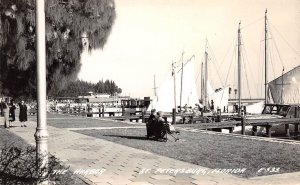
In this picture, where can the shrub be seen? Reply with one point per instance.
(21, 166)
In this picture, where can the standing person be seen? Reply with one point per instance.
(212, 106)
(201, 106)
(23, 114)
(12, 109)
(5, 111)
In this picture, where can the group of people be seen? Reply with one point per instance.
(8, 112)
(157, 127)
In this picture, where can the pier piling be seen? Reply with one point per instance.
(173, 116)
(268, 130)
(287, 130)
(297, 130)
(103, 111)
(243, 125)
(143, 116)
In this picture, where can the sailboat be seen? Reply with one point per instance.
(219, 97)
(177, 89)
(282, 95)
(286, 88)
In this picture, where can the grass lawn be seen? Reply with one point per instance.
(9, 139)
(65, 121)
(211, 151)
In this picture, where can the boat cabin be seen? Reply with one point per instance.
(284, 110)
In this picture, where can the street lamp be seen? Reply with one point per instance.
(41, 134)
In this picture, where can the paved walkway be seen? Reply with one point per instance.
(103, 162)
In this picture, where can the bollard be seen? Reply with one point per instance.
(243, 125)
(143, 116)
(297, 130)
(287, 130)
(123, 111)
(254, 130)
(268, 130)
(297, 112)
(173, 116)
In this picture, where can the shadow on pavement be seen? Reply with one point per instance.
(129, 137)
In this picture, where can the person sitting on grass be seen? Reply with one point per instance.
(159, 127)
(150, 123)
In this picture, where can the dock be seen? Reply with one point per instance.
(207, 122)
(267, 123)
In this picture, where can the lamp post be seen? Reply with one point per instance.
(41, 134)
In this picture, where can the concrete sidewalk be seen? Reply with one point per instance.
(103, 162)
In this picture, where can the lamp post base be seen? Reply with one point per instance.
(41, 137)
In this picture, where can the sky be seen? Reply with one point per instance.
(149, 34)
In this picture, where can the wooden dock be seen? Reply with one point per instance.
(207, 122)
(267, 123)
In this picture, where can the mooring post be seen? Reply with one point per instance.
(123, 110)
(297, 112)
(287, 130)
(297, 130)
(143, 116)
(297, 115)
(268, 130)
(103, 111)
(243, 125)
(173, 116)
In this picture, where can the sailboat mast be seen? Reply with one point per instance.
(266, 60)
(282, 85)
(181, 79)
(239, 69)
(155, 92)
(174, 77)
(205, 80)
(202, 83)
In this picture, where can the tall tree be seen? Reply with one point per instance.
(71, 26)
